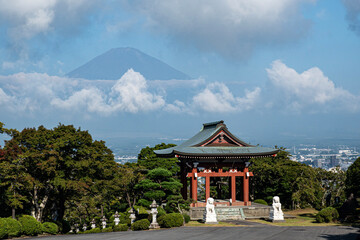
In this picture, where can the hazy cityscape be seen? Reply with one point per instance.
(315, 155)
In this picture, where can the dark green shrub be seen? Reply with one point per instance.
(4, 229)
(142, 224)
(143, 216)
(50, 227)
(161, 212)
(186, 217)
(327, 215)
(30, 226)
(171, 220)
(64, 226)
(14, 227)
(260, 201)
(108, 229)
(95, 230)
(120, 227)
(144, 203)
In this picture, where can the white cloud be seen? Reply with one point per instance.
(131, 95)
(216, 97)
(177, 107)
(35, 92)
(309, 89)
(232, 28)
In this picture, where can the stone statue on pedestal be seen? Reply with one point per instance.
(209, 213)
(276, 214)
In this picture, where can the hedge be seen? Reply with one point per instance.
(108, 229)
(14, 227)
(186, 217)
(95, 230)
(327, 215)
(261, 201)
(161, 212)
(4, 230)
(120, 227)
(50, 227)
(30, 226)
(171, 220)
(142, 224)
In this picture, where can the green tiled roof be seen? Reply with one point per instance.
(192, 147)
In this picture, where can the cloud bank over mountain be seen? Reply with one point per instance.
(36, 93)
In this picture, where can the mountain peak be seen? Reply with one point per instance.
(112, 64)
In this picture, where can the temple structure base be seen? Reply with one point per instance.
(221, 203)
(226, 213)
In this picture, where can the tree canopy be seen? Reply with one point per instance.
(148, 159)
(353, 179)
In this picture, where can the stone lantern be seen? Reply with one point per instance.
(132, 215)
(93, 224)
(103, 222)
(116, 216)
(84, 227)
(76, 227)
(154, 211)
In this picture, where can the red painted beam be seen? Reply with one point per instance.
(217, 174)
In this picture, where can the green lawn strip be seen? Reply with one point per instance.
(298, 221)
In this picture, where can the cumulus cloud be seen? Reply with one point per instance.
(353, 14)
(35, 92)
(216, 97)
(232, 28)
(129, 94)
(309, 89)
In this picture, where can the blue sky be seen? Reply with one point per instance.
(281, 69)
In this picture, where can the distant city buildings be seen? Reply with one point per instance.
(326, 158)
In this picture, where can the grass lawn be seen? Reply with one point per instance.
(304, 217)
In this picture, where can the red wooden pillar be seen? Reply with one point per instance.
(233, 189)
(207, 187)
(194, 184)
(246, 186)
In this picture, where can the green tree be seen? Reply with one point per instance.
(148, 159)
(353, 179)
(158, 185)
(63, 164)
(298, 185)
(13, 177)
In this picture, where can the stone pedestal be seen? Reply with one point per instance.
(209, 213)
(276, 214)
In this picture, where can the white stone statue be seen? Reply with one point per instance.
(276, 214)
(209, 213)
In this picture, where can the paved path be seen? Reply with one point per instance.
(224, 233)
